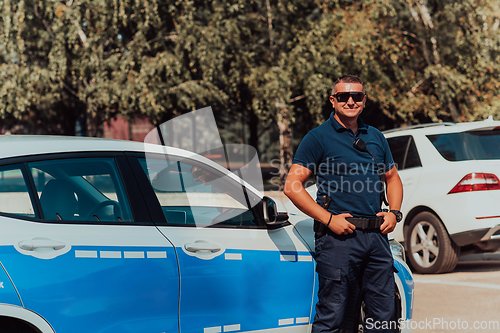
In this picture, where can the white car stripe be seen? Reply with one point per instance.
(302, 320)
(233, 256)
(157, 254)
(85, 254)
(216, 329)
(133, 254)
(232, 328)
(110, 254)
(288, 321)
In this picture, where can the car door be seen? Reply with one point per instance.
(81, 251)
(236, 274)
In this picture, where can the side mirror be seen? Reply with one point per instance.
(269, 210)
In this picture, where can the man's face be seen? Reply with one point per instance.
(348, 109)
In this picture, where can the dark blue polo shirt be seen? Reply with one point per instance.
(348, 176)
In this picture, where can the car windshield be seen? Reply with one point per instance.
(472, 145)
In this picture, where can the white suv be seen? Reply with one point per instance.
(450, 174)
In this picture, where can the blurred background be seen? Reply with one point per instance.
(119, 68)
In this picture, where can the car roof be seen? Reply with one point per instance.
(25, 145)
(435, 128)
(30, 145)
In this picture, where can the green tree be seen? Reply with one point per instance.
(61, 61)
(421, 60)
(262, 61)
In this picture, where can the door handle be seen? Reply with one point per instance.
(41, 243)
(202, 246)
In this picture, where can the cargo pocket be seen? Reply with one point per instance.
(330, 283)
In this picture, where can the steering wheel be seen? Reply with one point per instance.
(103, 204)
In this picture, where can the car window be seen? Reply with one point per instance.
(81, 189)
(472, 145)
(398, 146)
(404, 152)
(451, 146)
(412, 158)
(14, 194)
(194, 194)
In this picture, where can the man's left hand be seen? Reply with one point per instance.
(389, 222)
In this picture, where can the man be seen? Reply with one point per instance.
(202, 175)
(351, 230)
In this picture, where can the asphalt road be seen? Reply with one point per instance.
(465, 300)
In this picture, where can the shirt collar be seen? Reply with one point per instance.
(338, 127)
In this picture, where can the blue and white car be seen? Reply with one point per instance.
(116, 236)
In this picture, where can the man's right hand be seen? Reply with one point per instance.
(340, 225)
(295, 191)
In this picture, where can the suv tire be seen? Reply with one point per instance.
(429, 248)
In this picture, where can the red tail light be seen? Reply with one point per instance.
(477, 182)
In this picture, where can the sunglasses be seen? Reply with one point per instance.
(344, 96)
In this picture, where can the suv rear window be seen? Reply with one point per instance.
(472, 145)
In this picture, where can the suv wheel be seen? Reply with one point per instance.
(429, 248)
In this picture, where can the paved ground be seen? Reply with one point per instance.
(465, 300)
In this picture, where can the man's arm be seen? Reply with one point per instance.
(295, 191)
(395, 198)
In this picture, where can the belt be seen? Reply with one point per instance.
(361, 223)
(366, 222)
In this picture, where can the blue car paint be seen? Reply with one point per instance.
(229, 295)
(8, 294)
(77, 294)
(408, 285)
(260, 291)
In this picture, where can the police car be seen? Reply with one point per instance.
(116, 236)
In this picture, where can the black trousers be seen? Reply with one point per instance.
(342, 260)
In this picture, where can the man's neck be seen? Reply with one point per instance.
(351, 123)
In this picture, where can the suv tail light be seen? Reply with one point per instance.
(477, 182)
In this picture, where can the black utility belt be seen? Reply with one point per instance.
(361, 223)
(366, 223)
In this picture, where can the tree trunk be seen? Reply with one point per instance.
(94, 124)
(454, 112)
(253, 124)
(285, 139)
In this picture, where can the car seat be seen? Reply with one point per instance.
(58, 200)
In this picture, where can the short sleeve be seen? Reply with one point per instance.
(309, 153)
(388, 159)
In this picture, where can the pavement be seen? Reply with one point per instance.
(465, 300)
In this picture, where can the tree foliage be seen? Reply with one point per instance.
(421, 60)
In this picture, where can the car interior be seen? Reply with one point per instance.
(80, 190)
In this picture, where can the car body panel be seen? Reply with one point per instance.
(404, 281)
(8, 293)
(144, 276)
(219, 289)
(85, 287)
(25, 315)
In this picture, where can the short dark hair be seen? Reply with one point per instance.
(348, 79)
